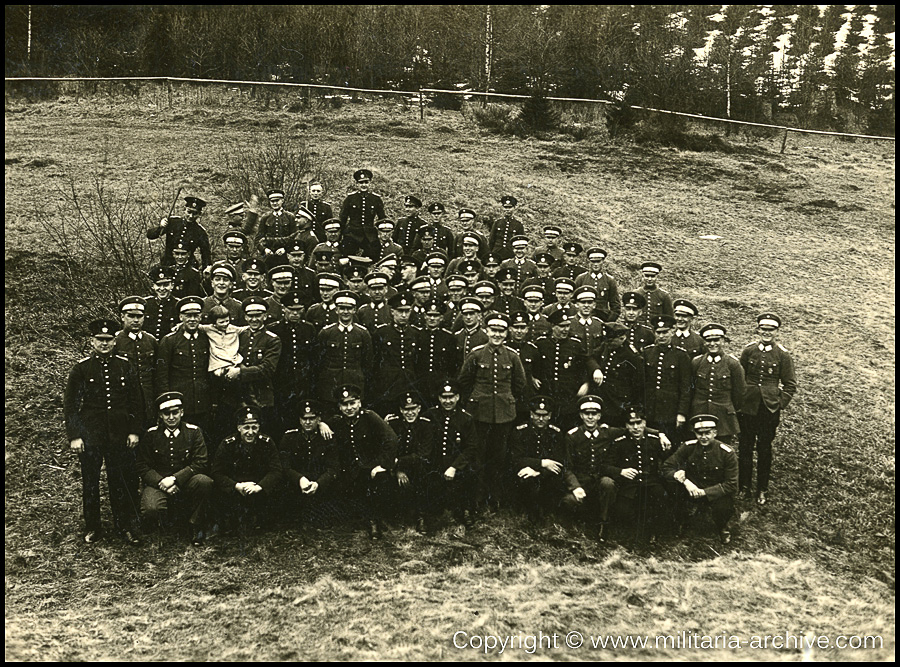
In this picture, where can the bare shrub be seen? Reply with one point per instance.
(102, 252)
(496, 118)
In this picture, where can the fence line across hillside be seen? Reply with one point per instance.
(420, 95)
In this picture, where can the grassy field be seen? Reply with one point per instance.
(808, 234)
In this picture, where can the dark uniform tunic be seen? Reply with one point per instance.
(508, 304)
(717, 385)
(467, 340)
(639, 500)
(364, 443)
(692, 343)
(160, 317)
(770, 385)
(140, 349)
(344, 357)
(406, 231)
(547, 283)
(321, 315)
(308, 454)
(182, 362)
(261, 351)
(188, 282)
(528, 447)
(640, 336)
(276, 230)
(522, 270)
(439, 360)
(501, 235)
(181, 454)
(321, 211)
(294, 372)
(587, 450)
(236, 461)
(415, 440)
(590, 331)
(373, 315)
(608, 306)
(714, 469)
(659, 302)
(455, 445)
(538, 326)
(667, 386)
(102, 405)
(561, 367)
(563, 270)
(623, 380)
(191, 234)
(359, 212)
(304, 281)
(396, 354)
(232, 304)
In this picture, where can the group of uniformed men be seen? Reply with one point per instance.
(489, 377)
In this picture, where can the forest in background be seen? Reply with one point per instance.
(819, 66)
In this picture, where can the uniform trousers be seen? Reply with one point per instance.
(684, 507)
(756, 431)
(600, 495)
(195, 495)
(121, 478)
(493, 461)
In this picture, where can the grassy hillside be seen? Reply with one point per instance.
(808, 234)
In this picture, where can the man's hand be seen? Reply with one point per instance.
(233, 373)
(450, 473)
(629, 473)
(598, 377)
(253, 488)
(304, 483)
(242, 488)
(311, 489)
(163, 222)
(133, 440)
(553, 466)
(679, 476)
(693, 489)
(583, 389)
(376, 470)
(664, 441)
(325, 431)
(528, 472)
(680, 420)
(280, 251)
(536, 383)
(166, 483)
(402, 478)
(579, 494)
(76, 445)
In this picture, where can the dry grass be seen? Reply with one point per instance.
(828, 270)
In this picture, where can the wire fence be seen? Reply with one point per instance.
(168, 92)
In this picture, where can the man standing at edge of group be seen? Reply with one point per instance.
(187, 231)
(359, 212)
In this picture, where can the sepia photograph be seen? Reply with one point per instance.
(450, 333)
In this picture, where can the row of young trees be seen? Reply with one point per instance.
(741, 61)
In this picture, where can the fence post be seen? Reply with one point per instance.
(169, 89)
(784, 142)
(421, 105)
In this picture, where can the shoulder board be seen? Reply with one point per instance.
(689, 442)
(152, 428)
(232, 438)
(604, 426)
(573, 431)
(466, 413)
(424, 419)
(201, 227)
(725, 447)
(553, 427)
(621, 437)
(119, 356)
(191, 426)
(81, 361)
(391, 417)
(781, 347)
(273, 335)
(329, 326)
(263, 436)
(652, 435)
(291, 430)
(578, 338)
(521, 427)
(733, 357)
(475, 349)
(752, 343)
(357, 325)
(447, 330)
(381, 326)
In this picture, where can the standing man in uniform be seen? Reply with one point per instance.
(188, 280)
(717, 383)
(161, 310)
(294, 373)
(639, 335)
(521, 268)
(560, 367)
(607, 307)
(396, 355)
(667, 381)
(359, 212)
(771, 384)
(659, 301)
(502, 230)
(443, 237)
(182, 362)
(491, 378)
(102, 405)
(586, 327)
(683, 338)
(188, 231)
(277, 229)
(407, 229)
(139, 347)
(704, 473)
(466, 218)
(320, 209)
(345, 353)
(622, 374)
(568, 267)
(439, 357)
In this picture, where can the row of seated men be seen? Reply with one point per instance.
(419, 463)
